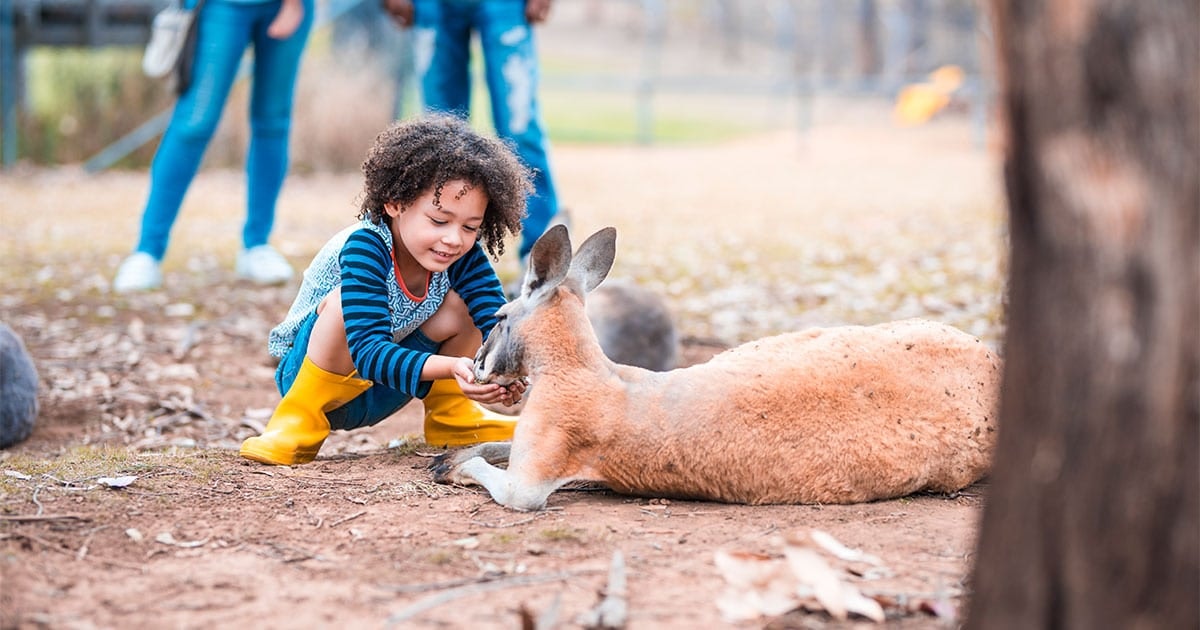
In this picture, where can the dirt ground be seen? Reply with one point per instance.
(846, 223)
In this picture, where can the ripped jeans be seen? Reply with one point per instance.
(443, 59)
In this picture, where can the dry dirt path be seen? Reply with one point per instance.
(857, 224)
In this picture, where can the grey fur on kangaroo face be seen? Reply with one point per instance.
(825, 415)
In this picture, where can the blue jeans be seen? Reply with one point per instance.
(226, 28)
(370, 407)
(443, 51)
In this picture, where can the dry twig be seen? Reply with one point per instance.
(485, 585)
(613, 609)
(510, 523)
(30, 518)
(347, 518)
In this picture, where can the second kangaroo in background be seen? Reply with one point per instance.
(832, 415)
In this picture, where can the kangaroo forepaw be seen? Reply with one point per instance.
(439, 460)
(445, 467)
(441, 470)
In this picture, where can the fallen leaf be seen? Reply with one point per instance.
(940, 608)
(814, 573)
(167, 539)
(840, 551)
(116, 482)
(756, 585)
(761, 585)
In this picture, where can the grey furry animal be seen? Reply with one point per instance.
(633, 325)
(18, 389)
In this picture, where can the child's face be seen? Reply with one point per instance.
(436, 230)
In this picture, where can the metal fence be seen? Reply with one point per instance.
(789, 50)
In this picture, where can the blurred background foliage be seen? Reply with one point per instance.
(614, 72)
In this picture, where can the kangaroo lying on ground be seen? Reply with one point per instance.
(834, 415)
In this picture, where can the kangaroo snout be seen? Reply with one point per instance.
(484, 374)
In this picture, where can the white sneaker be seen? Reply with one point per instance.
(138, 272)
(263, 265)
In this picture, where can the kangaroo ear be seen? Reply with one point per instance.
(594, 259)
(549, 261)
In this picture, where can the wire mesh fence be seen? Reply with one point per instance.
(619, 71)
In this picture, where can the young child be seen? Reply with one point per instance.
(391, 308)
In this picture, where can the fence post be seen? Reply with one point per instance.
(648, 75)
(8, 82)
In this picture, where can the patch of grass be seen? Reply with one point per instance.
(79, 463)
(205, 466)
(425, 489)
(613, 118)
(441, 557)
(409, 445)
(84, 463)
(578, 116)
(563, 534)
(505, 539)
(80, 100)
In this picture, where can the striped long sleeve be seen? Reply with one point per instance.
(474, 279)
(365, 262)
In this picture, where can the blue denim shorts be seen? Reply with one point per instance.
(370, 407)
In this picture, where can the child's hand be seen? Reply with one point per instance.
(487, 393)
(536, 11)
(401, 11)
(516, 389)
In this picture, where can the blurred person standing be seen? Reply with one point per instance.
(225, 28)
(442, 50)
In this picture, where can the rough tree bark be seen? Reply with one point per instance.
(1093, 514)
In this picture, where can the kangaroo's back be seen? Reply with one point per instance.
(830, 415)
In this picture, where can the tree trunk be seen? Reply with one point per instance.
(1093, 514)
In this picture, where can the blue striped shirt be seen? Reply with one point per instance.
(376, 310)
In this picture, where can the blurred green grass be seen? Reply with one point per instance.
(81, 100)
(579, 116)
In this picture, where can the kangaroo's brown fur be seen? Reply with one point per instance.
(833, 415)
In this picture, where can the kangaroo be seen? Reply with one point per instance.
(826, 415)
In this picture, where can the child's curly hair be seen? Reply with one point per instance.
(414, 156)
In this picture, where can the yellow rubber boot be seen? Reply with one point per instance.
(452, 419)
(299, 427)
